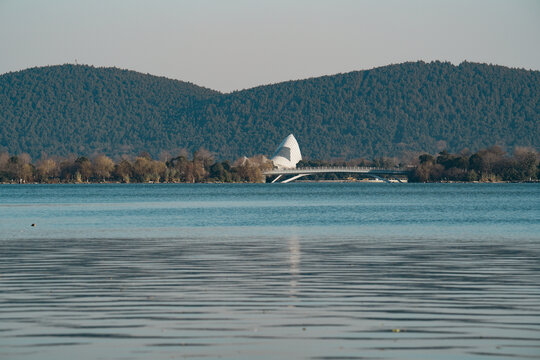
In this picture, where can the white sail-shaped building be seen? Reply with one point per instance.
(287, 154)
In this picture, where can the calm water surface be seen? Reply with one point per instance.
(270, 271)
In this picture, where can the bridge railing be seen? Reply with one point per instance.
(307, 168)
(342, 169)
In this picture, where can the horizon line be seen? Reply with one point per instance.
(77, 63)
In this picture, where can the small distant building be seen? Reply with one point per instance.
(287, 154)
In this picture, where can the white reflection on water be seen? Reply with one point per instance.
(294, 263)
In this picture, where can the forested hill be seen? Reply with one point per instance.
(83, 109)
(380, 112)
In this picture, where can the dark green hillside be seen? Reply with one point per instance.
(384, 111)
(380, 112)
(82, 109)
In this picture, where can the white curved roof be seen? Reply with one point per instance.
(287, 154)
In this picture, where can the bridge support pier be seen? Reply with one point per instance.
(293, 178)
(277, 178)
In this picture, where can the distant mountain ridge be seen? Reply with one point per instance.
(416, 106)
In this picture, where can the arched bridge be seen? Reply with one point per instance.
(378, 173)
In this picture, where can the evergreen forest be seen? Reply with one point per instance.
(408, 108)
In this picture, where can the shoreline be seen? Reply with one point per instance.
(298, 181)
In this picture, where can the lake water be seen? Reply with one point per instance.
(270, 271)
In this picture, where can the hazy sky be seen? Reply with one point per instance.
(229, 45)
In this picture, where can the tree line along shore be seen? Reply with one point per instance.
(487, 165)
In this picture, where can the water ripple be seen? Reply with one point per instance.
(314, 297)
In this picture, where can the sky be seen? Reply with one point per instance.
(231, 45)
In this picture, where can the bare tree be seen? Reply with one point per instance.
(47, 169)
(102, 166)
(124, 170)
(251, 169)
(164, 156)
(527, 160)
(4, 158)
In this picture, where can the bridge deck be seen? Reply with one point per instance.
(336, 169)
